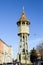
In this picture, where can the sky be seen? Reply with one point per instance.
(10, 12)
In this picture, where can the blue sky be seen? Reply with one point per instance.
(10, 12)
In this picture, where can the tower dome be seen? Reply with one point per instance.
(23, 18)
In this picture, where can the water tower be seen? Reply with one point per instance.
(23, 33)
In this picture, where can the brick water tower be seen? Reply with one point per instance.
(23, 33)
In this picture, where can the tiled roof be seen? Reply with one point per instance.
(23, 18)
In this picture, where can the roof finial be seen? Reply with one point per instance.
(23, 10)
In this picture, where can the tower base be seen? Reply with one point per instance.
(22, 59)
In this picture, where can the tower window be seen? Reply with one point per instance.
(23, 22)
(26, 23)
(19, 23)
(27, 52)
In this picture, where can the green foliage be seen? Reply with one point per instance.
(33, 55)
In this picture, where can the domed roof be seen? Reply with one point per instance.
(23, 18)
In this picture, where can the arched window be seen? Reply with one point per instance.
(23, 22)
(19, 23)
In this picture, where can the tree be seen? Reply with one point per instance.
(40, 48)
(33, 56)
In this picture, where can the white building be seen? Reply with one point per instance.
(6, 52)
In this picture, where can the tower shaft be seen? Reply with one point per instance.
(23, 43)
(23, 47)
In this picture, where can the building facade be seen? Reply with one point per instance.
(6, 52)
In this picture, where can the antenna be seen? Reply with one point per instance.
(23, 9)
